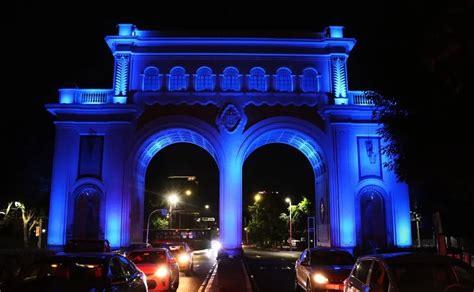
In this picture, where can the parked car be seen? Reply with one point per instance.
(159, 266)
(80, 272)
(398, 272)
(322, 269)
(183, 254)
(87, 245)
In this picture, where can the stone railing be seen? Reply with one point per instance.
(85, 96)
(359, 98)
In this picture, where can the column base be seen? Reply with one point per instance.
(230, 253)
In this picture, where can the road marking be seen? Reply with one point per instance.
(209, 279)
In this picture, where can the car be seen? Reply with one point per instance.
(409, 271)
(134, 246)
(323, 269)
(159, 266)
(80, 272)
(183, 254)
(87, 245)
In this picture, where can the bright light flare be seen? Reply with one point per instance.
(320, 278)
(161, 272)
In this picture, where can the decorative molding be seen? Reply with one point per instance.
(122, 62)
(339, 79)
(230, 118)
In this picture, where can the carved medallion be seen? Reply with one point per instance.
(229, 118)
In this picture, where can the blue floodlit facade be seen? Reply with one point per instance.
(229, 96)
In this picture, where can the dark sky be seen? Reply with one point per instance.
(61, 44)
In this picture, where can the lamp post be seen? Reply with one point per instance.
(291, 231)
(172, 199)
(148, 223)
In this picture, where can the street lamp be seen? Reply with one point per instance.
(207, 206)
(148, 224)
(291, 231)
(188, 192)
(173, 200)
(257, 197)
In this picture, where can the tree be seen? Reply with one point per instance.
(299, 213)
(17, 210)
(427, 121)
(160, 223)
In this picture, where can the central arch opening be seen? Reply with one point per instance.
(271, 174)
(182, 196)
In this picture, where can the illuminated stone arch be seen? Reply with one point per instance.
(88, 208)
(373, 210)
(312, 143)
(155, 137)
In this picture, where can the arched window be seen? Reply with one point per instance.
(151, 79)
(177, 79)
(257, 79)
(87, 212)
(230, 79)
(284, 80)
(373, 225)
(309, 80)
(204, 79)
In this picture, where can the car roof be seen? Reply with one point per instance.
(83, 255)
(327, 249)
(149, 249)
(409, 257)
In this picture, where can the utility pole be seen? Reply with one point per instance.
(40, 232)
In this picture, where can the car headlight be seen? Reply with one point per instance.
(320, 278)
(215, 245)
(161, 272)
(184, 258)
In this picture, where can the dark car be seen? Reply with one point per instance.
(183, 254)
(323, 269)
(80, 272)
(159, 266)
(399, 272)
(87, 245)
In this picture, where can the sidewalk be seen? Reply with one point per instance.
(229, 275)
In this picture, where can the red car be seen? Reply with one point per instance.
(159, 266)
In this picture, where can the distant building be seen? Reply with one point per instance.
(229, 96)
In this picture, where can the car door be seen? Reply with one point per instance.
(358, 278)
(378, 279)
(116, 275)
(300, 275)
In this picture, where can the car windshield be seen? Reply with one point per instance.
(148, 257)
(329, 258)
(423, 276)
(175, 248)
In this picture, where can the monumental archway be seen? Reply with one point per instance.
(228, 96)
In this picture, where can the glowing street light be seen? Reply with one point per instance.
(257, 197)
(173, 199)
(288, 200)
(207, 206)
(188, 192)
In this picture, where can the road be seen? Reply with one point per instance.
(272, 270)
(203, 262)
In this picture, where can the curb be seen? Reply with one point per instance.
(208, 277)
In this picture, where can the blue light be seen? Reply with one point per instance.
(113, 227)
(347, 231)
(56, 219)
(336, 31)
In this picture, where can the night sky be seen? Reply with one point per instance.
(62, 45)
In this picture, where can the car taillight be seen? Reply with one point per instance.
(161, 272)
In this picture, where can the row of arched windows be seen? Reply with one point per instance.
(231, 80)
